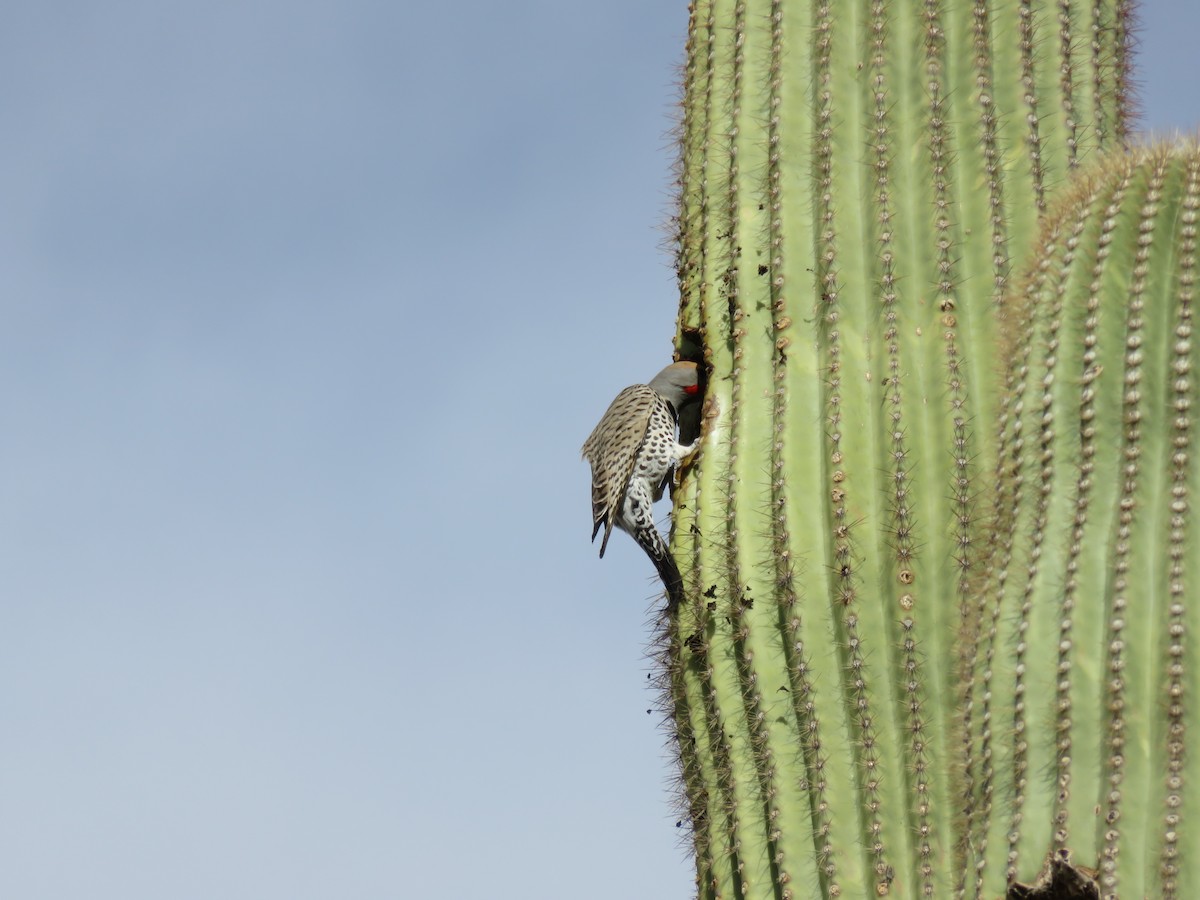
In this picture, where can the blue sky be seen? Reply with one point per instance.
(308, 309)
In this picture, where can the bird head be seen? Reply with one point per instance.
(678, 383)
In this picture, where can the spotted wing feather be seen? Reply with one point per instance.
(612, 450)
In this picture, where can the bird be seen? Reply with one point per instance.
(633, 452)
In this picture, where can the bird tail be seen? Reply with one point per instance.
(656, 548)
(608, 527)
(668, 571)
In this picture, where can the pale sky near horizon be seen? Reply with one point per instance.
(291, 290)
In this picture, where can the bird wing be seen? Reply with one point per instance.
(612, 449)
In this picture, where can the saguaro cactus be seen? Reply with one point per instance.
(1089, 606)
(857, 181)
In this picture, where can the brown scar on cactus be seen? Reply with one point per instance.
(1059, 880)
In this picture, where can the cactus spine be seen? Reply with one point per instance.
(857, 181)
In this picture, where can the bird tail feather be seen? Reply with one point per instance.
(656, 548)
(607, 534)
(668, 571)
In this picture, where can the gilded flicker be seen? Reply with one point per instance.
(633, 452)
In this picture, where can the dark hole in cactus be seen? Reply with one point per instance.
(691, 348)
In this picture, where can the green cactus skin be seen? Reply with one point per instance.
(1091, 610)
(857, 181)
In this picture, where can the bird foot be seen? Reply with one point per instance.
(684, 452)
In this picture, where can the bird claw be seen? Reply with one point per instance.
(685, 452)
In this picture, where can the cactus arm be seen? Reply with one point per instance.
(1182, 683)
(1100, 472)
